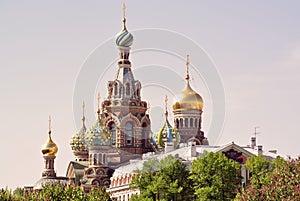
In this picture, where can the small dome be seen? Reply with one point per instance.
(98, 136)
(188, 100)
(124, 38)
(78, 140)
(50, 148)
(167, 134)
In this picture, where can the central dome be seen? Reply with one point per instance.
(188, 100)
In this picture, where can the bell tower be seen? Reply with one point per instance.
(124, 111)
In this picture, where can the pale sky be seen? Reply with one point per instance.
(255, 46)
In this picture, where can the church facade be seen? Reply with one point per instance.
(120, 139)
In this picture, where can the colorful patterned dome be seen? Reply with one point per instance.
(124, 38)
(167, 133)
(78, 140)
(98, 135)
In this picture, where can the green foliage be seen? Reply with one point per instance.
(55, 192)
(259, 167)
(6, 195)
(215, 177)
(167, 179)
(283, 184)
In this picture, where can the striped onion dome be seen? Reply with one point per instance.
(124, 38)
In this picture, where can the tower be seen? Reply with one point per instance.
(187, 109)
(124, 111)
(78, 141)
(98, 143)
(168, 137)
(49, 151)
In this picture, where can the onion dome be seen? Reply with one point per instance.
(188, 99)
(167, 133)
(98, 135)
(78, 140)
(124, 38)
(49, 148)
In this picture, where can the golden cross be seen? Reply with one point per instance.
(187, 67)
(124, 10)
(98, 100)
(49, 120)
(166, 102)
(148, 107)
(83, 108)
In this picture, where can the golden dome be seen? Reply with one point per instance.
(188, 100)
(49, 148)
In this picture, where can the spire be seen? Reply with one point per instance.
(187, 67)
(124, 16)
(49, 126)
(166, 106)
(148, 107)
(83, 110)
(98, 105)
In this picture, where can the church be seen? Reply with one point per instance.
(107, 153)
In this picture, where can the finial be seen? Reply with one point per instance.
(83, 110)
(187, 67)
(49, 121)
(98, 105)
(166, 105)
(124, 15)
(148, 107)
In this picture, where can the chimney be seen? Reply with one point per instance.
(169, 146)
(253, 142)
(259, 149)
(192, 150)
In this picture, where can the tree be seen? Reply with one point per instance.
(283, 184)
(215, 177)
(167, 179)
(259, 168)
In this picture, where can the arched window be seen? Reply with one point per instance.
(196, 122)
(112, 128)
(191, 122)
(129, 132)
(144, 134)
(127, 89)
(177, 123)
(181, 123)
(186, 122)
(116, 89)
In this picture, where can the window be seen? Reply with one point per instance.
(196, 122)
(127, 89)
(186, 122)
(113, 133)
(116, 89)
(181, 123)
(191, 122)
(129, 132)
(144, 134)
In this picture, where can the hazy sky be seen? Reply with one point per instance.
(43, 44)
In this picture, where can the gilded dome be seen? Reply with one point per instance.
(50, 148)
(188, 100)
